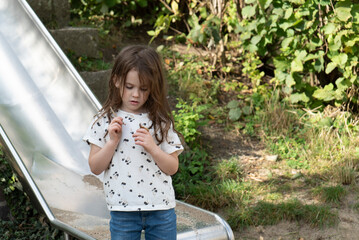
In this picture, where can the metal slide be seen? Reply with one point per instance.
(45, 108)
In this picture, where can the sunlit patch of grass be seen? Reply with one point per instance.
(229, 169)
(264, 213)
(227, 193)
(237, 192)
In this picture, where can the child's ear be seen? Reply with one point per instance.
(116, 81)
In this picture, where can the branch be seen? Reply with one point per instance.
(166, 5)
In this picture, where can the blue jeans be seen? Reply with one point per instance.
(158, 225)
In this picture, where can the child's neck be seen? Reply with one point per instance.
(136, 112)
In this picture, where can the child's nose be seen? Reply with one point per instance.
(136, 92)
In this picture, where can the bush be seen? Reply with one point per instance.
(28, 223)
(311, 44)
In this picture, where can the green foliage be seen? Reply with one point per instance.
(193, 170)
(207, 24)
(291, 150)
(85, 63)
(126, 13)
(237, 109)
(251, 63)
(193, 162)
(28, 223)
(312, 45)
(187, 119)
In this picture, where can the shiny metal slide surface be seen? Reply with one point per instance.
(45, 108)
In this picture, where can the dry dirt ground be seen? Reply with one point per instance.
(256, 166)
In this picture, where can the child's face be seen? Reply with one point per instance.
(134, 94)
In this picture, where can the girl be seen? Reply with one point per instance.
(137, 147)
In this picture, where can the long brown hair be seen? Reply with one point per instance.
(147, 62)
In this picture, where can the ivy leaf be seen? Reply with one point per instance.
(330, 67)
(252, 48)
(314, 43)
(296, 65)
(355, 13)
(334, 43)
(301, 54)
(298, 97)
(343, 10)
(352, 41)
(326, 94)
(235, 114)
(280, 75)
(324, 2)
(233, 104)
(246, 35)
(278, 12)
(248, 11)
(265, 3)
(286, 42)
(297, 2)
(281, 63)
(256, 39)
(288, 13)
(340, 59)
(289, 81)
(285, 25)
(329, 28)
(174, 6)
(343, 84)
(318, 65)
(247, 110)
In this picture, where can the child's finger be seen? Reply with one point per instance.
(142, 131)
(115, 127)
(119, 120)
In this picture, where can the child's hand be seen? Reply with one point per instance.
(143, 138)
(115, 129)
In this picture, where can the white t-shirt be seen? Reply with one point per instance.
(133, 181)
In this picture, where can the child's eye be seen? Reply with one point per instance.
(129, 87)
(144, 89)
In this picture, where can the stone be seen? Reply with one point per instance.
(52, 12)
(81, 41)
(271, 158)
(98, 83)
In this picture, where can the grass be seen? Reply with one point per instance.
(331, 194)
(229, 169)
(265, 213)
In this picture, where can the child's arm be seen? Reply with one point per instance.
(100, 158)
(168, 163)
